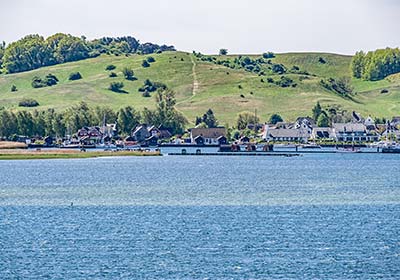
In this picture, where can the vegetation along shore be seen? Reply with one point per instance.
(68, 154)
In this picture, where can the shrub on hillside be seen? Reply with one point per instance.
(150, 59)
(49, 80)
(150, 86)
(28, 102)
(110, 67)
(116, 87)
(129, 74)
(146, 94)
(113, 75)
(145, 64)
(75, 76)
(268, 55)
(14, 88)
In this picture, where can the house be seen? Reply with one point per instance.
(152, 140)
(110, 129)
(140, 133)
(322, 133)
(305, 123)
(286, 134)
(161, 132)
(369, 123)
(353, 132)
(90, 134)
(209, 136)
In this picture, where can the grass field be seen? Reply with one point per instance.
(217, 87)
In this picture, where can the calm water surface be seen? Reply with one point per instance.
(333, 216)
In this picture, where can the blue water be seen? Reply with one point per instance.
(333, 216)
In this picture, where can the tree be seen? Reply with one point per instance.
(8, 123)
(14, 88)
(165, 113)
(223, 52)
(246, 118)
(323, 120)
(128, 118)
(316, 111)
(2, 49)
(116, 87)
(209, 119)
(71, 48)
(275, 118)
(357, 64)
(28, 53)
(128, 74)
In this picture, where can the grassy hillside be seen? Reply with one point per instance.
(201, 85)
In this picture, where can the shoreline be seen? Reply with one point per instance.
(68, 154)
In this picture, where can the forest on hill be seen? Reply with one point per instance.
(34, 51)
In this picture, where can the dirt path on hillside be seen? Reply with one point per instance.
(195, 86)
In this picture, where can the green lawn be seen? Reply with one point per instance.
(218, 86)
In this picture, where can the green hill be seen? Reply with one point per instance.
(200, 85)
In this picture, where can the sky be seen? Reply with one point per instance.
(247, 26)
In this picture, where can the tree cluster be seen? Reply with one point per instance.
(58, 124)
(207, 120)
(341, 86)
(34, 51)
(376, 65)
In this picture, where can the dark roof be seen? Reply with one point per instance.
(208, 132)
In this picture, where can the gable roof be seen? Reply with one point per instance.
(208, 132)
(349, 127)
(288, 133)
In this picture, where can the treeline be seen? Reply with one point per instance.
(376, 65)
(59, 124)
(34, 51)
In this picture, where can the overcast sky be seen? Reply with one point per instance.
(247, 26)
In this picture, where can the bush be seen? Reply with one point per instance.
(382, 91)
(278, 68)
(28, 102)
(110, 67)
(150, 86)
(14, 88)
(145, 64)
(116, 87)
(37, 82)
(321, 60)
(268, 55)
(285, 82)
(223, 52)
(51, 80)
(150, 59)
(146, 94)
(270, 80)
(75, 76)
(129, 74)
(113, 75)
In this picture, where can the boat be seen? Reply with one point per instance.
(391, 148)
(310, 146)
(348, 150)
